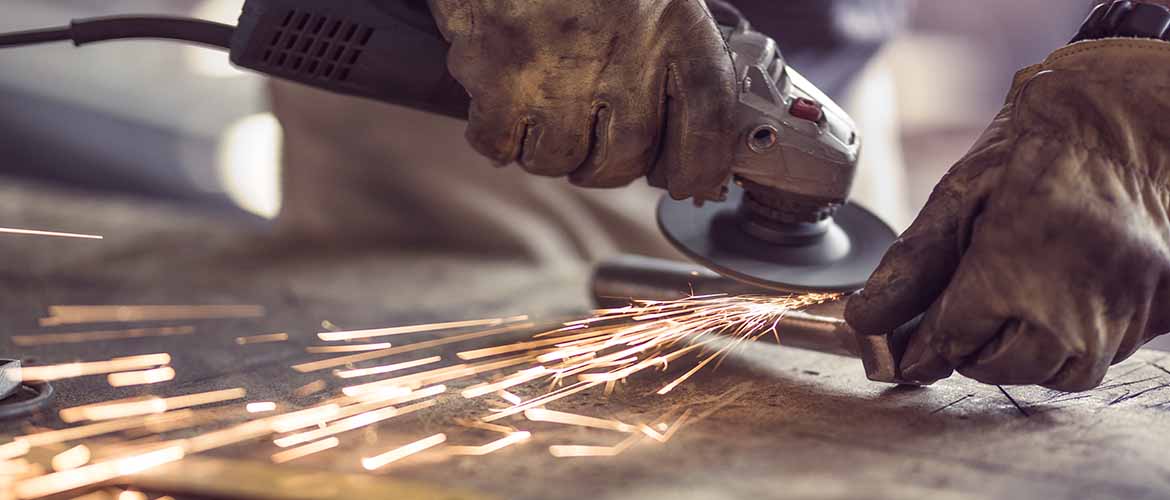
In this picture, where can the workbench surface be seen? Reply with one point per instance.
(771, 423)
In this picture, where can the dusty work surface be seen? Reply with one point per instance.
(773, 423)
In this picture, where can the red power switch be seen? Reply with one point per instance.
(807, 109)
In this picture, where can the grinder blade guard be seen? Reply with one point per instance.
(786, 225)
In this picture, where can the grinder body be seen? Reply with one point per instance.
(386, 50)
(794, 163)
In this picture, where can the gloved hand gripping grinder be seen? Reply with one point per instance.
(785, 226)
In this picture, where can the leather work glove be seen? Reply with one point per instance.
(1043, 257)
(603, 91)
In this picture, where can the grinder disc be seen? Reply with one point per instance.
(839, 262)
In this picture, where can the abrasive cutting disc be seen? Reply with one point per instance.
(841, 261)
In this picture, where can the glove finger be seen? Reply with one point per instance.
(498, 131)
(558, 142)
(1019, 353)
(699, 141)
(626, 137)
(921, 363)
(915, 269)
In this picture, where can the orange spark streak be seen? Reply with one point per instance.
(68, 315)
(72, 458)
(509, 397)
(60, 482)
(475, 424)
(553, 396)
(570, 451)
(378, 370)
(132, 495)
(145, 377)
(262, 339)
(35, 232)
(86, 431)
(306, 450)
(14, 449)
(335, 349)
(436, 376)
(557, 417)
(379, 461)
(362, 415)
(417, 346)
(522, 377)
(492, 447)
(260, 407)
(522, 346)
(152, 405)
(81, 369)
(304, 418)
(403, 330)
(352, 423)
(99, 336)
(310, 388)
(670, 431)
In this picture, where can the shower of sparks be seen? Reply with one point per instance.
(262, 339)
(82, 369)
(617, 343)
(492, 447)
(403, 330)
(70, 315)
(99, 336)
(306, 450)
(145, 377)
(337, 349)
(34, 232)
(260, 407)
(379, 461)
(565, 359)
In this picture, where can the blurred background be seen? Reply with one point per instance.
(163, 120)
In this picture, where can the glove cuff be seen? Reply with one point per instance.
(1106, 55)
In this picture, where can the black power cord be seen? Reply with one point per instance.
(84, 31)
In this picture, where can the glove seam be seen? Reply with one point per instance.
(1110, 43)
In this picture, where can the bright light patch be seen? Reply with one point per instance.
(213, 62)
(249, 164)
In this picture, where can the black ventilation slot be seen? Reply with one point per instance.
(317, 46)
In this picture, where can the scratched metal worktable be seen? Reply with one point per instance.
(774, 423)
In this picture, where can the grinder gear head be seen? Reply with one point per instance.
(787, 225)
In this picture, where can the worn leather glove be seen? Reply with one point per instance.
(604, 91)
(1044, 255)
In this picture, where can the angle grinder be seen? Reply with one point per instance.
(786, 225)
